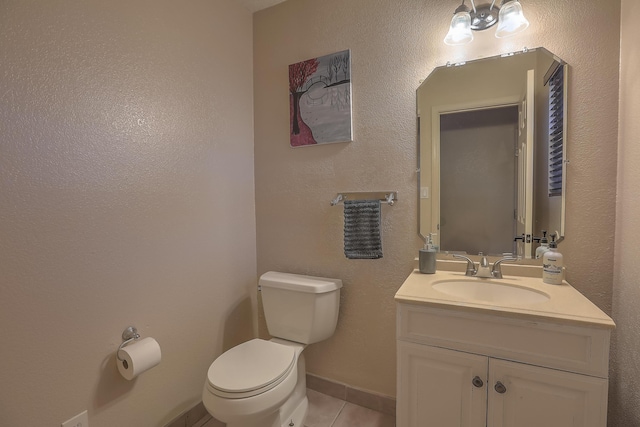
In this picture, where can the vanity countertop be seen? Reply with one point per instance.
(565, 304)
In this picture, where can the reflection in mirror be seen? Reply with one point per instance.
(479, 174)
(492, 153)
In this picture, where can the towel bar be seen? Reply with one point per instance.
(385, 196)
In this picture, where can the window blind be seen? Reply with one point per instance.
(556, 131)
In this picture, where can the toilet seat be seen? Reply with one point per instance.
(250, 368)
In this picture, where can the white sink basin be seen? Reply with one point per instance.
(474, 289)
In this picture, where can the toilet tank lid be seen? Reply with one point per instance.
(299, 282)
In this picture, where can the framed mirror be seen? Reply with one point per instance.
(492, 153)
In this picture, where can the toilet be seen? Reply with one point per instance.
(262, 383)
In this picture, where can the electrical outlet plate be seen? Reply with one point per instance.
(80, 420)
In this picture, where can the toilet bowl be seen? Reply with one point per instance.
(248, 384)
(262, 383)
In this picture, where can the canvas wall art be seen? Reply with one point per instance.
(320, 100)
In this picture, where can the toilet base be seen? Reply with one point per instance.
(272, 420)
(295, 419)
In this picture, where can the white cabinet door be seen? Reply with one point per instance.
(532, 396)
(436, 387)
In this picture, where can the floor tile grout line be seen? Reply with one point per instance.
(203, 421)
(344, 403)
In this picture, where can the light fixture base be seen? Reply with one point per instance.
(485, 16)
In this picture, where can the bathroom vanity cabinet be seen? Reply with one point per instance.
(473, 364)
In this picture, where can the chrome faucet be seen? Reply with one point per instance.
(483, 270)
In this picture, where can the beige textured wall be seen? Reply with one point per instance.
(395, 44)
(126, 197)
(625, 389)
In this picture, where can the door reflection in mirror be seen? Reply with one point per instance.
(478, 180)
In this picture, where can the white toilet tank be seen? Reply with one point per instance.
(300, 308)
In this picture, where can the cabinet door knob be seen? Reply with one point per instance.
(500, 388)
(477, 381)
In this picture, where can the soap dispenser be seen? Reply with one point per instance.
(427, 257)
(552, 263)
(544, 245)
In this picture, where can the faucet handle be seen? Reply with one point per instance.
(496, 270)
(471, 267)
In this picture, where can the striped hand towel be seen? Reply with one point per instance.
(362, 232)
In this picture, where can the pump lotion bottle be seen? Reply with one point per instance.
(427, 257)
(552, 263)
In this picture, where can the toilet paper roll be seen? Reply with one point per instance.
(138, 357)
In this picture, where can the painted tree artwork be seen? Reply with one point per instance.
(320, 100)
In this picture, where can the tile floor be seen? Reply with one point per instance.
(327, 411)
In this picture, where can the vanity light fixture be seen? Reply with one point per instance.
(509, 18)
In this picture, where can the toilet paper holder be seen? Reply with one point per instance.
(128, 335)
